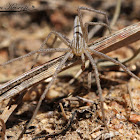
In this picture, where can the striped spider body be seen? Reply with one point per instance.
(78, 43)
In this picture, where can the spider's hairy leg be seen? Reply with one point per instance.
(34, 52)
(94, 23)
(87, 40)
(114, 61)
(98, 84)
(63, 38)
(19, 58)
(67, 55)
(57, 35)
(91, 10)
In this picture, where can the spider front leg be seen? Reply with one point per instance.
(114, 61)
(41, 50)
(63, 38)
(91, 10)
(94, 23)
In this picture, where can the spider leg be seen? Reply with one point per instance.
(46, 90)
(19, 58)
(114, 61)
(87, 40)
(98, 84)
(117, 63)
(94, 23)
(34, 52)
(84, 30)
(57, 35)
(63, 38)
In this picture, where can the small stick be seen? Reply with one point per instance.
(63, 111)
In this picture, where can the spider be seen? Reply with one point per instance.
(79, 48)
